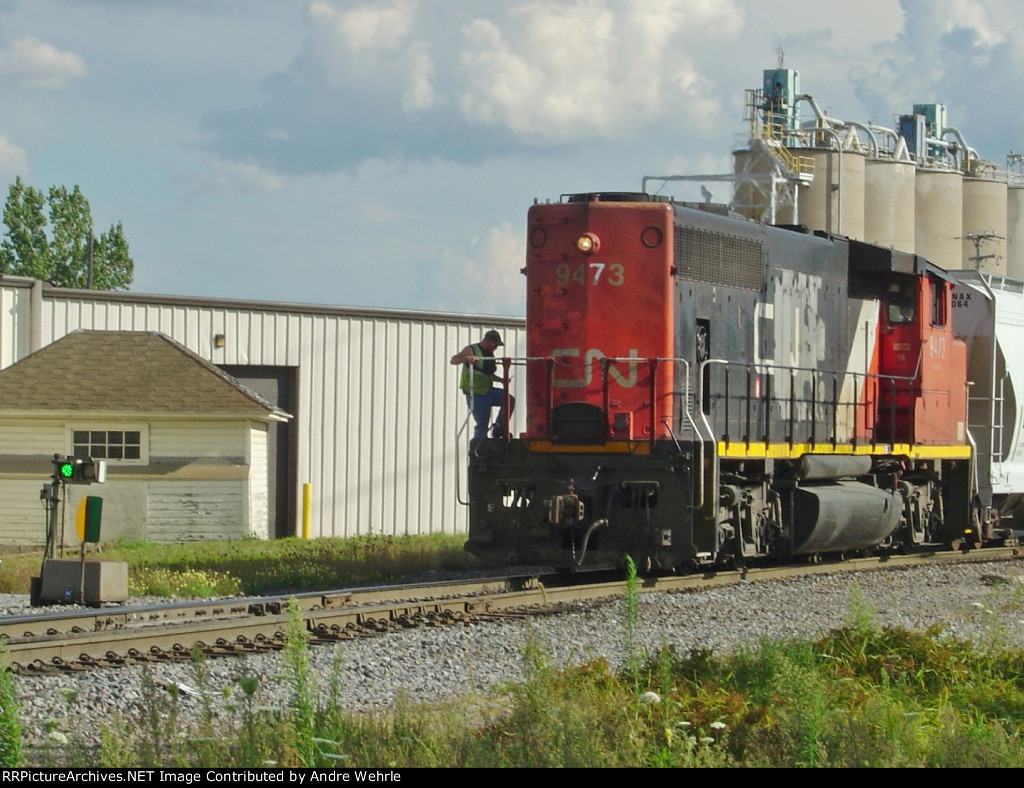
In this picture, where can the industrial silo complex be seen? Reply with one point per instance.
(918, 187)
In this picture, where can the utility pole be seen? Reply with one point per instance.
(88, 263)
(978, 239)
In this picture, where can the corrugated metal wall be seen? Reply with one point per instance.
(377, 404)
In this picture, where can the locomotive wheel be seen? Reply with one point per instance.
(969, 541)
(965, 545)
(971, 538)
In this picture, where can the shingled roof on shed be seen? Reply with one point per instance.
(126, 372)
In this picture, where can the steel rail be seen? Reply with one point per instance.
(112, 618)
(336, 616)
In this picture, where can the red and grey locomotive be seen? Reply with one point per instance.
(705, 391)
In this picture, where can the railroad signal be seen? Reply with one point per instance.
(80, 470)
(65, 469)
(91, 470)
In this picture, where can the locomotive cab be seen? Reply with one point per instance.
(921, 396)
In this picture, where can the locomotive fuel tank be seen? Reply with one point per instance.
(841, 515)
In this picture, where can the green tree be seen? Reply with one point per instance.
(63, 256)
(25, 249)
(118, 268)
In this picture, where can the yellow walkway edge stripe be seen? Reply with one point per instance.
(762, 451)
(754, 450)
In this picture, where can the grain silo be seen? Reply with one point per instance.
(834, 202)
(1015, 215)
(984, 225)
(938, 216)
(889, 201)
(1015, 231)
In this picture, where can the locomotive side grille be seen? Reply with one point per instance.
(722, 259)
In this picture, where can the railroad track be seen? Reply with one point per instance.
(114, 637)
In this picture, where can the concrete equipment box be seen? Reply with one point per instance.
(62, 581)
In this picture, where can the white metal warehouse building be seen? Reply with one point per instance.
(374, 401)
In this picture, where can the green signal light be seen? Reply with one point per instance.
(66, 470)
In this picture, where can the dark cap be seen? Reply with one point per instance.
(495, 337)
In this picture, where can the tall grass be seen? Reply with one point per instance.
(631, 616)
(10, 724)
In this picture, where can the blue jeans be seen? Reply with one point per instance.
(481, 405)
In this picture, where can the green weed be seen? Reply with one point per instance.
(162, 582)
(10, 724)
(631, 615)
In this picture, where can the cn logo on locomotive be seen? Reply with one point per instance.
(592, 355)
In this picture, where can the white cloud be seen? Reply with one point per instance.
(231, 176)
(941, 17)
(485, 278)
(966, 54)
(358, 46)
(13, 160)
(375, 212)
(369, 27)
(39, 65)
(420, 94)
(598, 68)
(463, 80)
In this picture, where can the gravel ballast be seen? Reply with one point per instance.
(980, 601)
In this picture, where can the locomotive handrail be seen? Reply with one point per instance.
(506, 379)
(605, 363)
(829, 406)
(458, 475)
(824, 396)
(652, 362)
(699, 502)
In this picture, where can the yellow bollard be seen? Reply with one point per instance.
(307, 494)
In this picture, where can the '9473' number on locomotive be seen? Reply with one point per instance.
(614, 274)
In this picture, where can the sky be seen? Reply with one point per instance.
(384, 153)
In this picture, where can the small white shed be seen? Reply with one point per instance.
(185, 443)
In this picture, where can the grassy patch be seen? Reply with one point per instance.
(251, 566)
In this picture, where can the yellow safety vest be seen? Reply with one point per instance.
(481, 373)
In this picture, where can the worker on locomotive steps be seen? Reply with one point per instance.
(477, 383)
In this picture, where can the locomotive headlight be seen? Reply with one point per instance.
(588, 243)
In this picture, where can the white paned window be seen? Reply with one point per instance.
(119, 444)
